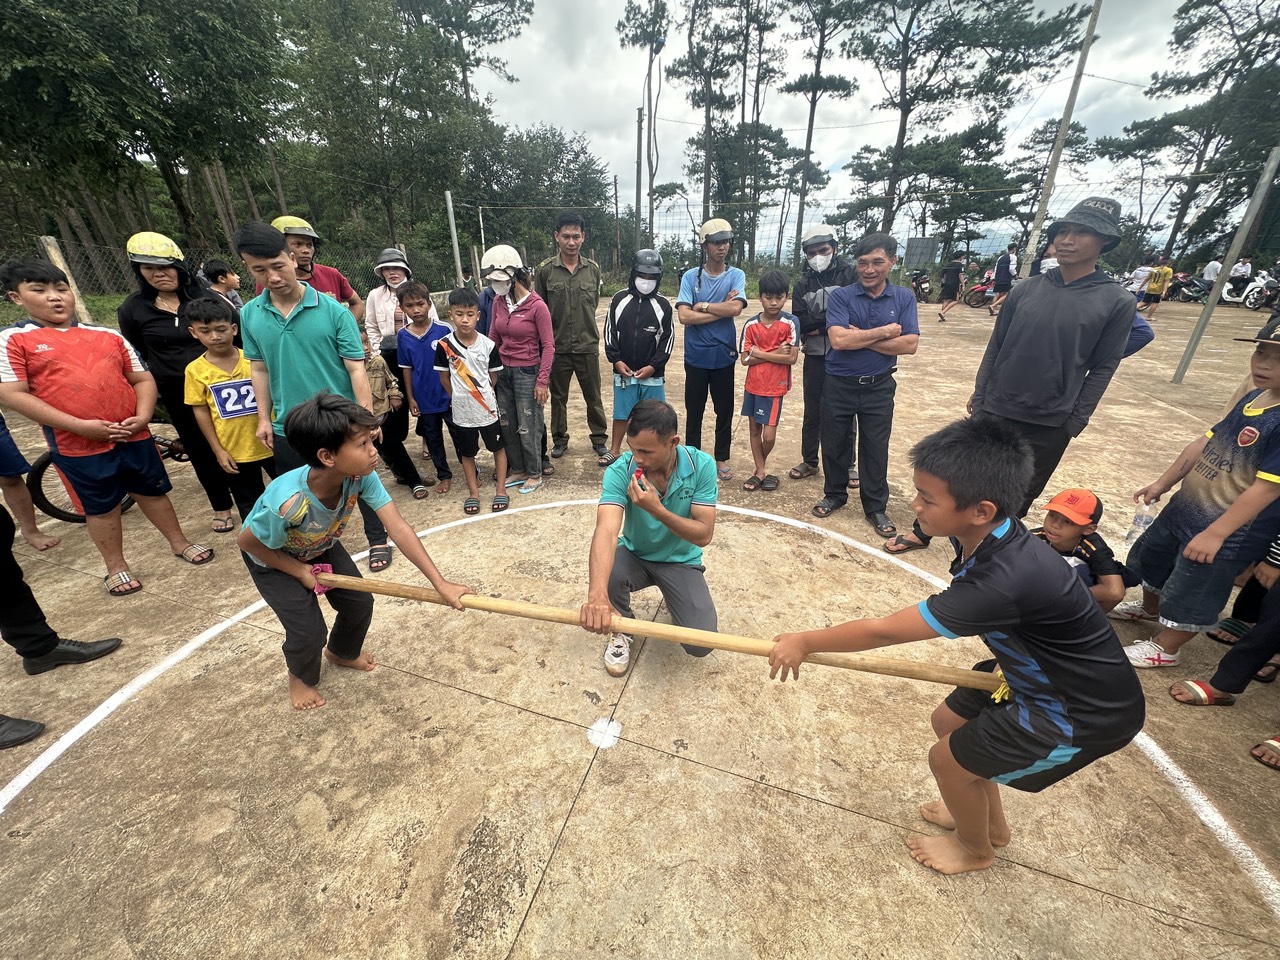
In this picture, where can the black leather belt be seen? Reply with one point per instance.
(867, 381)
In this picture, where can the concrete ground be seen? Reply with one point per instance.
(450, 804)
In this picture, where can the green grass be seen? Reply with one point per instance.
(101, 307)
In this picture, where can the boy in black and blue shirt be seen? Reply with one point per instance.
(1072, 696)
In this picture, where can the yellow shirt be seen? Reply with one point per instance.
(232, 405)
(1159, 279)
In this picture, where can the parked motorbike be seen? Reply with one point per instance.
(922, 286)
(1271, 295)
(1255, 294)
(1175, 286)
(1252, 295)
(982, 292)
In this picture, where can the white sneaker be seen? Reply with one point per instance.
(1131, 610)
(1148, 653)
(617, 655)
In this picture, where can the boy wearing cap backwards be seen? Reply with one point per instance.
(1071, 528)
(1071, 697)
(1223, 518)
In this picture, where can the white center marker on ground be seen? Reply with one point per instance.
(604, 733)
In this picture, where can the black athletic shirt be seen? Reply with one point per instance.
(951, 274)
(1094, 555)
(1066, 670)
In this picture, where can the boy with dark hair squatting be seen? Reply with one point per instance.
(293, 534)
(1072, 696)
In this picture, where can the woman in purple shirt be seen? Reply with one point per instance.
(521, 330)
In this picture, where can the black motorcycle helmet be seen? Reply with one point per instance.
(647, 263)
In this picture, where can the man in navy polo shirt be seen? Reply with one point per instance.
(870, 324)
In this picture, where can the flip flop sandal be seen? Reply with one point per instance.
(1228, 631)
(471, 505)
(769, 483)
(752, 483)
(500, 503)
(1202, 694)
(1267, 672)
(854, 483)
(420, 491)
(802, 471)
(1273, 746)
(516, 483)
(825, 508)
(903, 544)
(531, 488)
(605, 459)
(118, 584)
(379, 558)
(193, 551)
(724, 473)
(222, 525)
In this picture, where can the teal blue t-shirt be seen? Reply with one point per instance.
(692, 483)
(290, 518)
(304, 353)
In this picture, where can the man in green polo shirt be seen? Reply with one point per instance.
(570, 284)
(661, 498)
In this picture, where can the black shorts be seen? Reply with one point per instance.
(949, 293)
(1152, 297)
(1002, 287)
(992, 744)
(466, 440)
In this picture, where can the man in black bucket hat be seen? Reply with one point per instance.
(1055, 346)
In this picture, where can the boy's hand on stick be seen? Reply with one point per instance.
(453, 593)
(788, 653)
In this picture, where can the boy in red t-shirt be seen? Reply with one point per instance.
(88, 389)
(769, 346)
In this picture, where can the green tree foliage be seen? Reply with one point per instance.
(470, 27)
(1032, 166)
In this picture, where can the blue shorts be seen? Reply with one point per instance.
(626, 398)
(766, 411)
(101, 480)
(1191, 594)
(12, 462)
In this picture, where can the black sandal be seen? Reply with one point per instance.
(379, 558)
(825, 508)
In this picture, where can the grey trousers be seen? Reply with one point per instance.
(521, 417)
(683, 587)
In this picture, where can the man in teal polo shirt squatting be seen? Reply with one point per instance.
(661, 498)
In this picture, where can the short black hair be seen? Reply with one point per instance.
(876, 241)
(570, 219)
(653, 415)
(209, 310)
(260, 239)
(1011, 247)
(413, 290)
(215, 270)
(325, 422)
(774, 282)
(978, 458)
(463, 297)
(30, 270)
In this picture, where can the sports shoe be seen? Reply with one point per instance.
(1131, 610)
(1148, 653)
(617, 655)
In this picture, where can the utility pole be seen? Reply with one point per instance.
(1046, 190)
(617, 227)
(639, 152)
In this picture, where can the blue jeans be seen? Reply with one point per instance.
(1191, 594)
(521, 417)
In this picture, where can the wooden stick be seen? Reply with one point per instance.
(932, 673)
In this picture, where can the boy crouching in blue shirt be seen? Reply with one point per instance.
(1072, 696)
(293, 533)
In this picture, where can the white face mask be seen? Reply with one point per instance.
(819, 262)
(645, 287)
(501, 287)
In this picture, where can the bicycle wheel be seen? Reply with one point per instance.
(975, 298)
(51, 493)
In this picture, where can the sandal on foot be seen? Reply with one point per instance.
(528, 487)
(1272, 747)
(222, 525)
(1202, 695)
(606, 458)
(379, 558)
(517, 483)
(724, 473)
(547, 468)
(420, 491)
(884, 526)
(471, 505)
(825, 507)
(854, 482)
(752, 483)
(196, 550)
(802, 471)
(900, 544)
(118, 583)
(500, 503)
(1267, 672)
(769, 483)
(1228, 631)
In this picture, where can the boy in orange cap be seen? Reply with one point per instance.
(1071, 528)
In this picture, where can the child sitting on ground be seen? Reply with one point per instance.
(416, 348)
(467, 363)
(89, 390)
(1071, 527)
(769, 346)
(219, 389)
(385, 390)
(1072, 697)
(639, 333)
(1222, 519)
(294, 530)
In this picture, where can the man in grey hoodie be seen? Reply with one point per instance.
(1055, 346)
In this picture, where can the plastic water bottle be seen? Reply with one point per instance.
(1143, 517)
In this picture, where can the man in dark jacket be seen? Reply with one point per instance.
(1006, 269)
(825, 271)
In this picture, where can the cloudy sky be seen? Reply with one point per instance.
(573, 73)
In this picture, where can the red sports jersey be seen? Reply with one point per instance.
(769, 379)
(80, 370)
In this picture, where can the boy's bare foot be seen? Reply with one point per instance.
(936, 812)
(444, 486)
(302, 696)
(40, 541)
(947, 854)
(364, 661)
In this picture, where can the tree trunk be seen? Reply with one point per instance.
(127, 211)
(219, 207)
(140, 192)
(102, 224)
(88, 253)
(706, 147)
(814, 96)
(275, 179)
(227, 200)
(900, 142)
(390, 209)
(254, 212)
(1189, 194)
(173, 183)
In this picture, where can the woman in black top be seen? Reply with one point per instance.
(154, 321)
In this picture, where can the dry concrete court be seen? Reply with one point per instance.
(450, 804)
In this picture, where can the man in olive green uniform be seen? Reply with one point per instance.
(570, 285)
